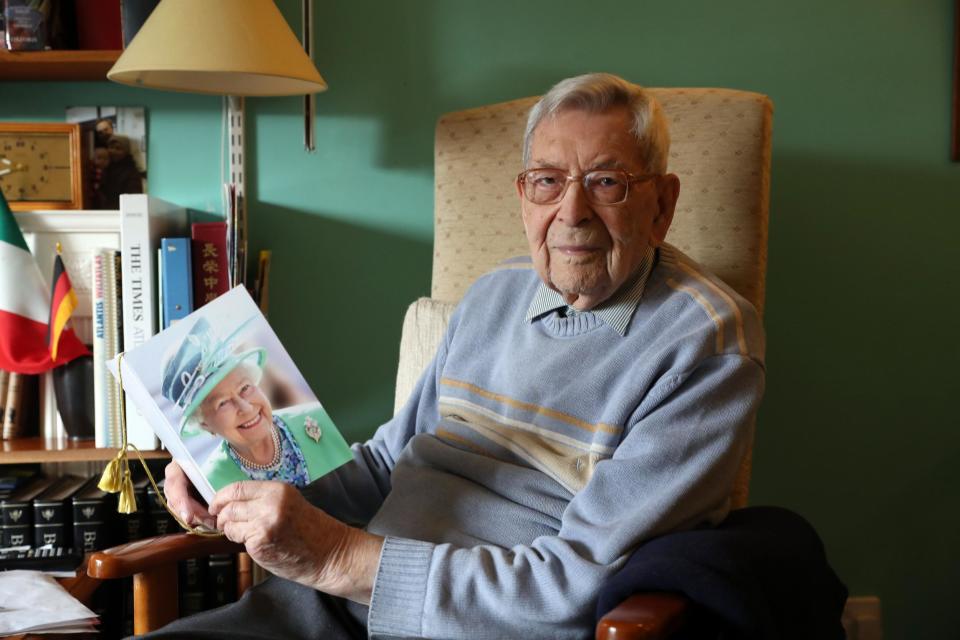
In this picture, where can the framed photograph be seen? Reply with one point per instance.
(114, 144)
(41, 165)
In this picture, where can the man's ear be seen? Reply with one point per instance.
(668, 190)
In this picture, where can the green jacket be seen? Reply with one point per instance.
(322, 457)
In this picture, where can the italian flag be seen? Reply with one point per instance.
(25, 307)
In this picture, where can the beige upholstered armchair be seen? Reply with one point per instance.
(721, 152)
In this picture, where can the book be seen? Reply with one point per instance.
(193, 586)
(93, 512)
(98, 25)
(26, 24)
(11, 400)
(16, 512)
(227, 400)
(159, 520)
(27, 421)
(221, 579)
(175, 278)
(52, 515)
(4, 380)
(21, 407)
(143, 221)
(133, 13)
(106, 345)
(210, 265)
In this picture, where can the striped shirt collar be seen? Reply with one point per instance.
(615, 312)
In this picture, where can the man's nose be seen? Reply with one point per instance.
(574, 208)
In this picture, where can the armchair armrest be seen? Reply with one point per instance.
(152, 553)
(153, 564)
(644, 616)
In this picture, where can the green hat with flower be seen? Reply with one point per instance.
(197, 365)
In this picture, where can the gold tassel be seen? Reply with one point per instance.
(111, 480)
(117, 478)
(128, 501)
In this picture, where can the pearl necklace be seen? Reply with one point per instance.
(270, 466)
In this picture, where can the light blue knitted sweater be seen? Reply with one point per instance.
(533, 457)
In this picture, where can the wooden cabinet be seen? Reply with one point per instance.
(30, 66)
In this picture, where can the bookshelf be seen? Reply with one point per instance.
(31, 450)
(56, 66)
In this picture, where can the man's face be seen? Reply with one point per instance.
(587, 251)
(104, 128)
(237, 410)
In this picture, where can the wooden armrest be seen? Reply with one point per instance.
(644, 616)
(143, 555)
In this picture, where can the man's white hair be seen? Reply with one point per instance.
(601, 92)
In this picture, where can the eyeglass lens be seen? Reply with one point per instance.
(547, 186)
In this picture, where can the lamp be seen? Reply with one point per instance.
(221, 47)
(233, 48)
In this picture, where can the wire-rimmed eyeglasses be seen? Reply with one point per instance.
(548, 186)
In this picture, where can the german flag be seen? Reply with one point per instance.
(63, 300)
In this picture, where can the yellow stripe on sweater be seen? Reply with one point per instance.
(711, 311)
(738, 315)
(526, 406)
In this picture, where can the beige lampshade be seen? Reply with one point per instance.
(225, 47)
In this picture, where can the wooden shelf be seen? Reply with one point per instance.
(56, 65)
(24, 450)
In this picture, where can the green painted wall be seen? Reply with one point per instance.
(857, 431)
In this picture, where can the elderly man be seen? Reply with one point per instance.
(585, 398)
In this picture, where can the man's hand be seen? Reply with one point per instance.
(291, 538)
(183, 498)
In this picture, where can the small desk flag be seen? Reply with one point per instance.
(25, 310)
(63, 300)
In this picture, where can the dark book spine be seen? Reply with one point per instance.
(161, 522)
(50, 523)
(221, 579)
(133, 13)
(16, 536)
(193, 586)
(16, 513)
(93, 523)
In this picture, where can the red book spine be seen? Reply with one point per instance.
(209, 253)
(98, 25)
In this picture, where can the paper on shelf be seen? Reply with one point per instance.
(31, 601)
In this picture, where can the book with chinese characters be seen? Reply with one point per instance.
(225, 398)
(211, 277)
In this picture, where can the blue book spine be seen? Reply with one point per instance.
(176, 278)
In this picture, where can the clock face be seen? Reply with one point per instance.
(40, 168)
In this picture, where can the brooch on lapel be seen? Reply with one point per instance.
(312, 428)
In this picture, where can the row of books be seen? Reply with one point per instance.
(18, 405)
(157, 277)
(73, 513)
(33, 25)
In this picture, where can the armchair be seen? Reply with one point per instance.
(721, 151)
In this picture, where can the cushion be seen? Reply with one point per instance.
(423, 328)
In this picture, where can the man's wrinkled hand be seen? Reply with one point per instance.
(183, 498)
(293, 539)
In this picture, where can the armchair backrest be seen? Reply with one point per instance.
(720, 150)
